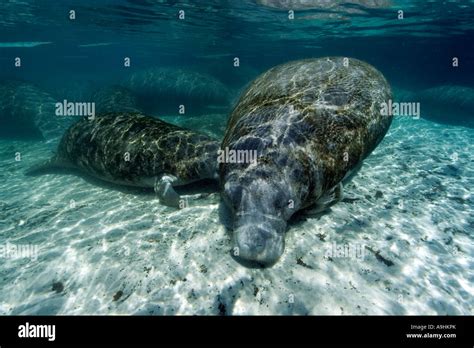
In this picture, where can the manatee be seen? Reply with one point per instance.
(162, 90)
(401, 95)
(449, 104)
(78, 88)
(27, 112)
(133, 149)
(114, 98)
(214, 124)
(311, 122)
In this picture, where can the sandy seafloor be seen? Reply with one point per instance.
(109, 251)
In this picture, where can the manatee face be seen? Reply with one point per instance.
(259, 240)
(261, 211)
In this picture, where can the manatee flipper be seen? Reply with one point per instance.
(350, 198)
(350, 174)
(327, 200)
(164, 188)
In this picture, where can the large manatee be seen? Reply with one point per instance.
(311, 123)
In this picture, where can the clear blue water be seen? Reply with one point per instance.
(95, 249)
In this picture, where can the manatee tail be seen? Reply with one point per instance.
(46, 167)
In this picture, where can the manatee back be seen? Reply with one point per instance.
(127, 147)
(326, 111)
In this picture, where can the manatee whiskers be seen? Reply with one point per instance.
(246, 214)
(260, 238)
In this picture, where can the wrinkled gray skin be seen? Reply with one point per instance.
(311, 122)
(160, 155)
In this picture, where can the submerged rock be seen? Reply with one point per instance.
(163, 90)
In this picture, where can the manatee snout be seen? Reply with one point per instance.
(260, 213)
(258, 241)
